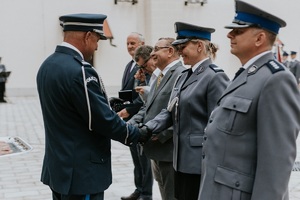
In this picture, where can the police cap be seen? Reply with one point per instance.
(285, 53)
(248, 15)
(186, 32)
(84, 22)
(293, 52)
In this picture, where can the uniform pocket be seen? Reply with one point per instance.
(234, 179)
(234, 108)
(196, 140)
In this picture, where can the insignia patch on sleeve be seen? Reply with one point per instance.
(274, 66)
(92, 78)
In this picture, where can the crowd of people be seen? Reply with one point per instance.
(199, 135)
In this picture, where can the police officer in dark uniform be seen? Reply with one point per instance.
(193, 98)
(79, 123)
(250, 140)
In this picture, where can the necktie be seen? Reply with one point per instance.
(159, 78)
(238, 72)
(128, 70)
(190, 72)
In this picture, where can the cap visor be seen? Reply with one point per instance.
(234, 25)
(103, 37)
(180, 41)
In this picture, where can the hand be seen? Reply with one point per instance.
(144, 132)
(139, 89)
(123, 114)
(140, 75)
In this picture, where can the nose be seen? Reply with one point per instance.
(230, 34)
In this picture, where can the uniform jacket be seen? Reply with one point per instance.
(161, 149)
(190, 106)
(250, 141)
(130, 84)
(295, 69)
(77, 160)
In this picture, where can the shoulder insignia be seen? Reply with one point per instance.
(215, 68)
(274, 66)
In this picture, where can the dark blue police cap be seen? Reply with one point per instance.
(186, 32)
(293, 52)
(84, 22)
(285, 53)
(248, 15)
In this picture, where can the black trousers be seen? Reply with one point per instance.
(187, 186)
(58, 196)
(2, 90)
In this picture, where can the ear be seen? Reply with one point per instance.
(261, 38)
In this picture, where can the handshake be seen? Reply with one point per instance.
(145, 133)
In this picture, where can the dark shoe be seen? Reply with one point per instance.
(144, 198)
(3, 101)
(133, 196)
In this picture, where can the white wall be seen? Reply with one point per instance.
(30, 31)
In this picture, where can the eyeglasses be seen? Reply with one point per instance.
(156, 48)
(143, 66)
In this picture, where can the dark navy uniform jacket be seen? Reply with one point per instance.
(77, 154)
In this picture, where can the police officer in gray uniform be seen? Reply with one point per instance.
(193, 97)
(79, 123)
(250, 141)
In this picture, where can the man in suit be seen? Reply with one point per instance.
(146, 64)
(142, 170)
(250, 141)
(160, 147)
(193, 97)
(134, 40)
(295, 66)
(79, 123)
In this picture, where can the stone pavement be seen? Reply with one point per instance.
(20, 174)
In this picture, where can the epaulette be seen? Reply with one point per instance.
(82, 62)
(274, 66)
(216, 68)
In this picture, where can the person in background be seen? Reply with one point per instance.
(192, 100)
(146, 65)
(249, 145)
(79, 123)
(285, 60)
(142, 167)
(160, 147)
(295, 66)
(3, 79)
(134, 40)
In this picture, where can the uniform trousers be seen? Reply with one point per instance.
(58, 196)
(163, 173)
(187, 186)
(2, 90)
(143, 179)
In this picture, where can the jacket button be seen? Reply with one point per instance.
(210, 121)
(203, 156)
(237, 184)
(204, 138)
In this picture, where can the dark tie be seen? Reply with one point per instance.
(128, 70)
(238, 72)
(190, 72)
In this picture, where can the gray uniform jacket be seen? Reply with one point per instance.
(161, 149)
(250, 140)
(190, 106)
(295, 69)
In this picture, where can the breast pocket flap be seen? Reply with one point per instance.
(236, 103)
